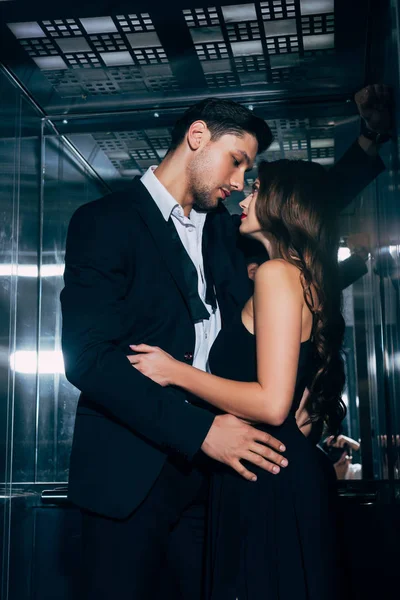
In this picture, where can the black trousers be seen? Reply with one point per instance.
(158, 551)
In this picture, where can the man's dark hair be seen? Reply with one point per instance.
(222, 117)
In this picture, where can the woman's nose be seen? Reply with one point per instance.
(245, 202)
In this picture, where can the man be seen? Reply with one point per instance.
(141, 266)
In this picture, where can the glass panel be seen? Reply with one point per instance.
(67, 185)
(20, 131)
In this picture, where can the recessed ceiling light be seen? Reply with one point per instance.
(26, 30)
(322, 143)
(247, 48)
(113, 59)
(49, 63)
(239, 12)
(99, 25)
(319, 42)
(144, 40)
(316, 7)
(76, 44)
(202, 35)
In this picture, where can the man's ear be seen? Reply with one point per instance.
(198, 135)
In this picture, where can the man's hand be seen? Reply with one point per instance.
(360, 244)
(375, 105)
(302, 417)
(342, 465)
(341, 441)
(230, 440)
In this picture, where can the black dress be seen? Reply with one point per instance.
(273, 539)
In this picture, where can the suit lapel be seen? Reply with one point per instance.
(175, 257)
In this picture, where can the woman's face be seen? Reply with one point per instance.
(250, 225)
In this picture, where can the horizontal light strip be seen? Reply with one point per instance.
(7, 270)
(25, 361)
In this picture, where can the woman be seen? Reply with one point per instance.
(273, 538)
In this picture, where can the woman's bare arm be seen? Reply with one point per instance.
(278, 303)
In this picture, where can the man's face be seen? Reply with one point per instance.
(218, 168)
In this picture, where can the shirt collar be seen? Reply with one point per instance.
(161, 196)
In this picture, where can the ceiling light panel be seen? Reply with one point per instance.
(280, 27)
(323, 152)
(322, 143)
(221, 81)
(99, 25)
(201, 17)
(293, 125)
(39, 47)
(51, 63)
(113, 44)
(281, 75)
(247, 48)
(143, 40)
(57, 28)
(135, 23)
(217, 66)
(316, 24)
(319, 42)
(65, 82)
(294, 144)
(83, 60)
(242, 32)
(202, 35)
(282, 61)
(112, 59)
(311, 7)
(132, 152)
(212, 51)
(73, 44)
(26, 30)
(239, 12)
(278, 9)
(283, 45)
(250, 64)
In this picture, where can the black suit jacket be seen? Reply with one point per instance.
(125, 283)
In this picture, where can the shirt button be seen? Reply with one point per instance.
(188, 356)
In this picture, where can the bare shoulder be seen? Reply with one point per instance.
(281, 278)
(278, 269)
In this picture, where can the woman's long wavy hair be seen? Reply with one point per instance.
(295, 209)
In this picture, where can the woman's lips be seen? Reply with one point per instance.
(243, 216)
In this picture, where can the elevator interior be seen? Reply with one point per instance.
(88, 95)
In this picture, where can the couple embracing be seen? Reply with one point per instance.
(193, 478)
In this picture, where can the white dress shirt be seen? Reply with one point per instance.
(190, 231)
